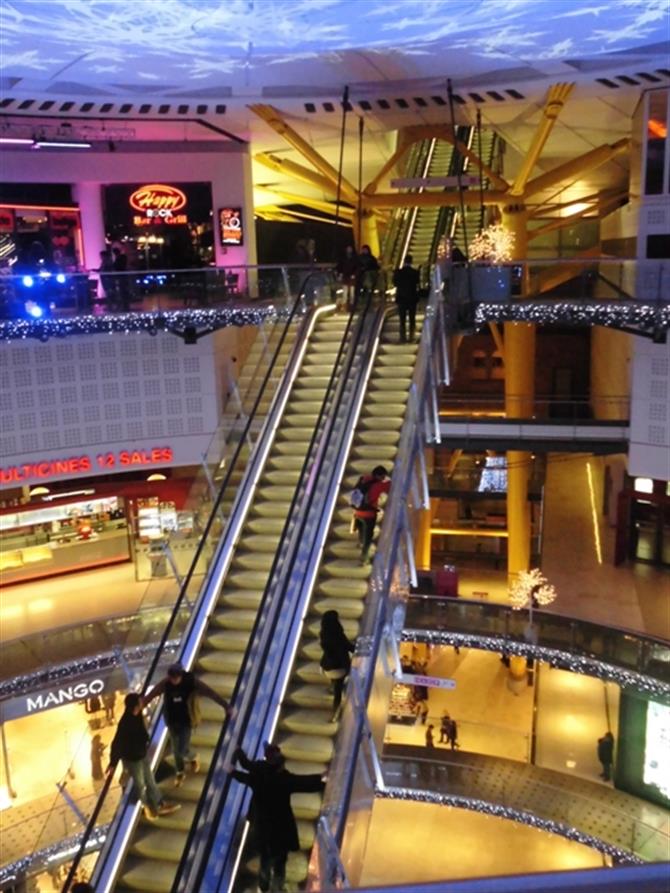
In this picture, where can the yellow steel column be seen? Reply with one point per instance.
(422, 549)
(366, 224)
(519, 400)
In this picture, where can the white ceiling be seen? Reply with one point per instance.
(192, 54)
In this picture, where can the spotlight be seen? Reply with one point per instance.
(60, 278)
(28, 281)
(45, 274)
(34, 310)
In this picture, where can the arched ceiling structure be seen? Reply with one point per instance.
(190, 68)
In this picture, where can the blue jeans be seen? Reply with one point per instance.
(144, 781)
(180, 737)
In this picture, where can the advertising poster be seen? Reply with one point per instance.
(230, 223)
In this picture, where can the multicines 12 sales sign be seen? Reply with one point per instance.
(85, 464)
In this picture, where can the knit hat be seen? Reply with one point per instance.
(176, 669)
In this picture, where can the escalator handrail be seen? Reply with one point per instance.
(235, 735)
(377, 602)
(90, 826)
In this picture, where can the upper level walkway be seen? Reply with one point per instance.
(536, 435)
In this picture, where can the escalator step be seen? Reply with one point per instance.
(307, 748)
(149, 876)
(347, 608)
(220, 661)
(228, 640)
(309, 722)
(234, 619)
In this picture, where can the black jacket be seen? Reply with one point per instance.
(406, 281)
(336, 650)
(271, 811)
(131, 739)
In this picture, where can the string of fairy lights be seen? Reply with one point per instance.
(614, 314)
(193, 322)
(566, 660)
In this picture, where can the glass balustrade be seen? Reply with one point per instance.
(143, 644)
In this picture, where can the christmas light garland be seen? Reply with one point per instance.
(587, 313)
(173, 321)
(55, 854)
(577, 663)
(23, 685)
(484, 807)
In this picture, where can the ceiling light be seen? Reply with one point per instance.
(60, 144)
(16, 141)
(39, 491)
(64, 495)
(157, 477)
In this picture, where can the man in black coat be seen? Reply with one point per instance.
(271, 814)
(131, 745)
(406, 281)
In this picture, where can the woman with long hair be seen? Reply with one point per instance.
(335, 661)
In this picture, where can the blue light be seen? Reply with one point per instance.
(60, 278)
(34, 310)
(28, 281)
(45, 274)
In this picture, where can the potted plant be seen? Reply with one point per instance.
(491, 249)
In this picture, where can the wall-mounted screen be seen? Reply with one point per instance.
(230, 226)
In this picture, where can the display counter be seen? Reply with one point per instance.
(32, 562)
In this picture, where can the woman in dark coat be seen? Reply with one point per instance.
(335, 661)
(271, 814)
(97, 750)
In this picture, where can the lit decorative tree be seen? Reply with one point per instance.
(531, 588)
(492, 245)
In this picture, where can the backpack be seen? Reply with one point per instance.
(358, 496)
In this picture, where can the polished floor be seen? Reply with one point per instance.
(419, 842)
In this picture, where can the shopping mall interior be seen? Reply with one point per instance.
(209, 216)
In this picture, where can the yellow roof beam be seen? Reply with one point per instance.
(390, 164)
(441, 132)
(297, 171)
(431, 199)
(314, 203)
(556, 99)
(602, 207)
(576, 167)
(301, 215)
(274, 119)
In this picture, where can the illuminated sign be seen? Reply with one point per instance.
(230, 223)
(157, 197)
(656, 747)
(85, 464)
(77, 692)
(158, 203)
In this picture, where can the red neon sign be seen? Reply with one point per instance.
(121, 460)
(157, 197)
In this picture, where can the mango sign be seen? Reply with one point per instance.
(157, 197)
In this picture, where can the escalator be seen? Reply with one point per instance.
(156, 847)
(305, 731)
(426, 220)
(463, 228)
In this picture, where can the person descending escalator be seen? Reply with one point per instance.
(180, 690)
(271, 817)
(131, 745)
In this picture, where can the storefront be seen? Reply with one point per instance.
(92, 524)
(643, 522)
(161, 225)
